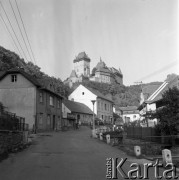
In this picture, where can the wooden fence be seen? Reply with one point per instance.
(149, 134)
(140, 132)
(9, 121)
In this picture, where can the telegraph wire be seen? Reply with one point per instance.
(12, 29)
(20, 29)
(160, 70)
(25, 31)
(10, 34)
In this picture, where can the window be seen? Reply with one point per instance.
(51, 101)
(58, 104)
(105, 106)
(50, 86)
(13, 78)
(48, 119)
(83, 93)
(41, 118)
(41, 97)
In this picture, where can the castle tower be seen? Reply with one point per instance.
(82, 65)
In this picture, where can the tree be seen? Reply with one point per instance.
(168, 114)
(10, 60)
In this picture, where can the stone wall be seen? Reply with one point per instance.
(10, 141)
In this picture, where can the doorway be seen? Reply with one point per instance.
(53, 123)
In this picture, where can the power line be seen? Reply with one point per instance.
(12, 29)
(25, 31)
(20, 29)
(10, 34)
(160, 70)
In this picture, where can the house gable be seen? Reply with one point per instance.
(18, 94)
(15, 80)
(83, 95)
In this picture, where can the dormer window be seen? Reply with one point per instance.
(13, 78)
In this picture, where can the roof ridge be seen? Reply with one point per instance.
(155, 93)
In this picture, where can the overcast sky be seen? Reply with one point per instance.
(137, 36)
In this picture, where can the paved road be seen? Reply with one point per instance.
(70, 155)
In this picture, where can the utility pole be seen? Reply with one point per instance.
(141, 87)
(142, 97)
(139, 83)
(93, 130)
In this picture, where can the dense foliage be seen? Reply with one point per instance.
(121, 95)
(10, 60)
(168, 114)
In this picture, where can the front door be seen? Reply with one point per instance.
(53, 122)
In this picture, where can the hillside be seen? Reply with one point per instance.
(121, 95)
(10, 60)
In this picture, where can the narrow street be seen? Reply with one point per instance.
(70, 155)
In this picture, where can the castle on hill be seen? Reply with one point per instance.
(101, 73)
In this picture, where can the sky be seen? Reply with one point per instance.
(138, 36)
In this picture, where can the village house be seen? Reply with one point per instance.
(128, 113)
(103, 106)
(75, 112)
(154, 100)
(25, 96)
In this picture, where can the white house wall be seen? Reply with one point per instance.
(65, 111)
(19, 97)
(131, 116)
(78, 96)
(151, 107)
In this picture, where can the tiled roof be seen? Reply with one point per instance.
(101, 64)
(37, 82)
(127, 108)
(114, 70)
(98, 94)
(148, 89)
(105, 69)
(82, 56)
(2, 73)
(77, 107)
(157, 95)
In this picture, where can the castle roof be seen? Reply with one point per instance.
(101, 64)
(115, 71)
(105, 70)
(82, 56)
(73, 74)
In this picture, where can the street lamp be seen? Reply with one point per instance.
(93, 130)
